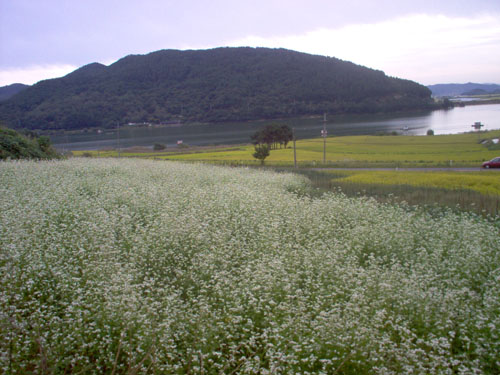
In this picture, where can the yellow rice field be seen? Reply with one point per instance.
(484, 182)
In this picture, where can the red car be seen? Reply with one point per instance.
(493, 163)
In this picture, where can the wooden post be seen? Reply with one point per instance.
(324, 138)
(118, 132)
(294, 149)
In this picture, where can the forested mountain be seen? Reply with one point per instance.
(220, 84)
(481, 92)
(9, 91)
(455, 89)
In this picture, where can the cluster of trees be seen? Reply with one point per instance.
(14, 145)
(270, 137)
(273, 135)
(222, 84)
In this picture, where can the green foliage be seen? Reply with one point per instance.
(447, 103)
(44, 143)
(14, 145)
(159, 147)
(222, 84)
(273, 135)
(430, 132)
(262, 151)
(492, 146)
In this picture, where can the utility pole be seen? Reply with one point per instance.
(323, 134)
(118, 133)
(294, 149)
(477, 126)
(66, 148)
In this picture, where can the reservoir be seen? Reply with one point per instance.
(452, 121)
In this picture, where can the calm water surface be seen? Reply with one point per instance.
(456, 120)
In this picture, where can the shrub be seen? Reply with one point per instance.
(159, 147)
(14, 145)
(261, 152)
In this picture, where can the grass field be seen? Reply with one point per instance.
(355, 151)
(133, 266)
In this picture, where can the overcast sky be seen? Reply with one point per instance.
(428, 41)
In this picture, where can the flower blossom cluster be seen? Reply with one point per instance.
(134, 266)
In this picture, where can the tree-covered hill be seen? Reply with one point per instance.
(455, 89)
(9, 91)
(220, 84)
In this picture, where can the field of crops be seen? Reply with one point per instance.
(125, 266)
(466, 191)
(485, 182)
(392, 151)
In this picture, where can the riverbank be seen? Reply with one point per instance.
(452, 121)
(478, 101)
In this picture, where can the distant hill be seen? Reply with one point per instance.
(7, 92)
(481, 92)
(456, 89)
(222, 84)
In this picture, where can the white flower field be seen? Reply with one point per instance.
(118, 266)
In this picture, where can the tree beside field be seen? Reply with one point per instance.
(262, 151)
(273, 135)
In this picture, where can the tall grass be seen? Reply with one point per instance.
(135, 266)
(453, 197)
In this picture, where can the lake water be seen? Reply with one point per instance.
(456, 120)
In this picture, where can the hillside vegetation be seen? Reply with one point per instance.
(209, 85)
(14, 145)
(9, 91)
(135, 266)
